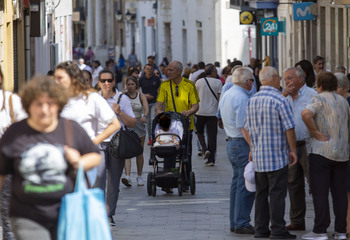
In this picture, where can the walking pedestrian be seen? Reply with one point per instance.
(113, 165)
(139, 106)
(149, 84)
(10, 111)
(87, 108)
(38, 153)
(209, 89)
(178, 94)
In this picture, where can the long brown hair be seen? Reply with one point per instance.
(78, 82)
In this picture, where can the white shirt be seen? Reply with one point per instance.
(92, 113)
(196, 74)
(95, 75)
(5, 117)
(125, 106)
(208, 106)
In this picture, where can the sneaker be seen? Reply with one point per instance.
(149, 141)
(316, 236)
(127, 181)
(337, 235)
(245, 230)
(206, 154)
(199, 154)
(111, 221)
(139, 181)
(167, 190)
(209, 164)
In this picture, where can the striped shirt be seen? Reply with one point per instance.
(269, 116)
(331, 115)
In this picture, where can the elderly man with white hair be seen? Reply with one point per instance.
(269, 130)
(233, 111)
(298, 95)
(343, 85)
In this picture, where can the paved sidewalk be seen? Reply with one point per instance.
(204, 215)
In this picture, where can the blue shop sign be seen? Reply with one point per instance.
(301, 11)
(269, 26)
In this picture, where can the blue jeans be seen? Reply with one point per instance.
(241, 201)
(112, 172)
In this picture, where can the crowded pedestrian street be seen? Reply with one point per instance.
(204, 215)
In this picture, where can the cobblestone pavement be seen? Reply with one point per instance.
(204, 215)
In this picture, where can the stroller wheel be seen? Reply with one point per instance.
(149, 184)
(154, 187)
(192, 183)
(179, 188)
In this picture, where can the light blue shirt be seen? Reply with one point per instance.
(305, 94)
(233, 110)
(226, 87)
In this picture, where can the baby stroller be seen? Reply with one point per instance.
(174, 177)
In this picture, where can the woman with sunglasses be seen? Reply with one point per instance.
(126, 116)
(87, 108)
(139, 105)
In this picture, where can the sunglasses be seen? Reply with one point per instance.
(176, 91)
(104, 80)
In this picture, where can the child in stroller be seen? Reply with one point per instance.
(170, 148)
(167, 132)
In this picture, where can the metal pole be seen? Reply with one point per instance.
(27, 46)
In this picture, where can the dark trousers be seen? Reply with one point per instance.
(273, 186)
(296, 186)
(170, 162)
(211, 123)
(326, 174)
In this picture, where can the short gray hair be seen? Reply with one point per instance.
(266, 74)
(298, 70)
(343, 81)
(340, 69)
(179, 66)
(241, 75)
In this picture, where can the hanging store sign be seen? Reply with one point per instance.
(302, 11)
(269, 27)
(246, 17)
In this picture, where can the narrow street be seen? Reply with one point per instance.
(204, 215)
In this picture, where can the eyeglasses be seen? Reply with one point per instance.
(251, 79)
(176, 91)
(104, 80)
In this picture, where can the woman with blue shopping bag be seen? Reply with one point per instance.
(36, 152)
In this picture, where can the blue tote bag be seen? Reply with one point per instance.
(83, 214)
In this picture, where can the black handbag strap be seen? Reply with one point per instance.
(172, 95)
(211, 89)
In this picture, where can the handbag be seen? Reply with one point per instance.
(125, 143)
(83, 213)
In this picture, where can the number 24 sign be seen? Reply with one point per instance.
(269, 26)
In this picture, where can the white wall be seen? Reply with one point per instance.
(222, 36)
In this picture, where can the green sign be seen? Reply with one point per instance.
(269, 26)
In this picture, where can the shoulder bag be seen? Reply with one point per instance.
(125, 143)
(83, 213)
(211, 89)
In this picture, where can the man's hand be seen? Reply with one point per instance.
(220, 123)
(289, 89)
(250, 158)
(148, 96)
(292, 158)
(186, 113)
